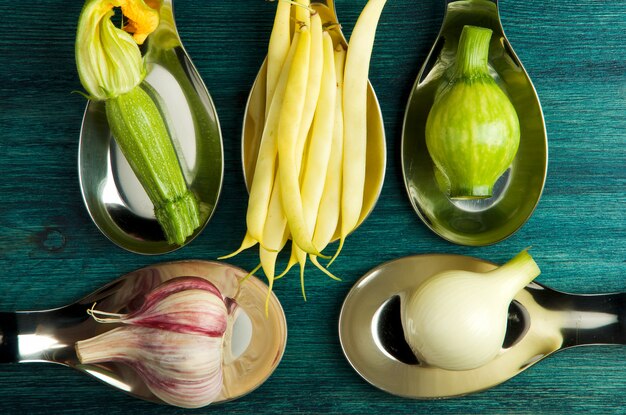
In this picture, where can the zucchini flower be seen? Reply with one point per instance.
(111, 69)
(108, 59)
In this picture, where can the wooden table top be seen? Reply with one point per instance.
(51, 253)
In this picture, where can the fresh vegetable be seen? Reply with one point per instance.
(278, 49)
(108, 59)
(296, 189)
(189, 305)
(273, 233)
(330, 204)
(265, 169)
(315, 159)
(180, 369)
(173, 341)
(111, 69)
(288, 128)
(472, 130)
(320, 146)
(141, 133)
(355, 116)
(314, 82)
(264, 166)
(457, 320)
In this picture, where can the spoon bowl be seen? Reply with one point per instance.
(541, 321)
(254, 118)
(517, 192)
(252, 351)
(114, 198)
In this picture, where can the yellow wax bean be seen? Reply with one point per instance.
(312, 94)
(275, 233)
(321, 142)
(297, 253)
(303, 13)
(330, 204)
(308, 113)
(314, 83)
(318, 148)
(300, 258)
(288, 128)
(355, 115)
(277, 50)
(293, 260)
(260, 191)
(248, 242)
(261, 187)
(321, 139)
(276, 222)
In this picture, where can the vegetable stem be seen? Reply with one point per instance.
(473, 52)
(516, 273)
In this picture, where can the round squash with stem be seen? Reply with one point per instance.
(472, 130)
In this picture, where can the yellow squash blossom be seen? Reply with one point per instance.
(108, 59)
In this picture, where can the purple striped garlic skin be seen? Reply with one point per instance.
(181, 369)
(186, 305)
(174, 341)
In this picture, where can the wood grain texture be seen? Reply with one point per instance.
(51, 253)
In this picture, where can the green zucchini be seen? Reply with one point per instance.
(141, 134)
(112, 69)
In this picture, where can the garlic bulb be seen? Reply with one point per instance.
(174, 341)
(187, 305)
(456, 320)
(181, 369)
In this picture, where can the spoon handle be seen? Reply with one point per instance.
(595, 319)
(8, 338)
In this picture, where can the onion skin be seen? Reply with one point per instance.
(456, 320)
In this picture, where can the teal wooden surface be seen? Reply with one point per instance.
(51, 253)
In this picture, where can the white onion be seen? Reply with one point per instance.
(456, 320)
